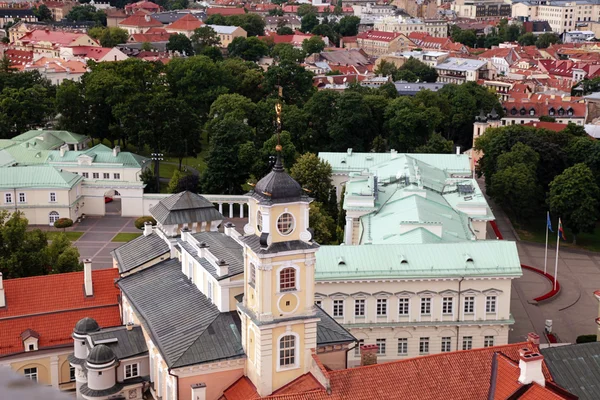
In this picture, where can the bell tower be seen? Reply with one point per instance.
(279, 326)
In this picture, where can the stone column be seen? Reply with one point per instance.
(54, 372)
(221, 208)
(230, 210)
(348, 232)
(241, 210)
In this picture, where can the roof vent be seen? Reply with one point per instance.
(203, 245)
(468, 258)
(403, 260)
(341, 261)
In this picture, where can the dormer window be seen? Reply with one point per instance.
(551, 111)
(570, 112)
(561, 111)
(532, 111)
(513, 111)
(522, 111)
(30, 340)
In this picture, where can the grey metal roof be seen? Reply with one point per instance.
(576, 368)
(183, 208)
(185, 326)
(329, 331)
(253, 242)
(139, 251)
(224, 248)
(101, 354)
(128, 343)
(278, 187)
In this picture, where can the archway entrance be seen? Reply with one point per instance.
(112, 202)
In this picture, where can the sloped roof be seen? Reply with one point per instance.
(51, 305)
(381, 36)
(100, 154)
(225, 248)
(184, 207)
(490, 258)
(225, 11)
(140, 18)
(58, 38)
(186, 23)
(330, 331)
(129, 343)
(139, 251)
(37, 176)
(576, 368)
(186, 327)
(65, 136)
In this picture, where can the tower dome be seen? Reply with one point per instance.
(100, 355)
(278, 187)
(86, 325)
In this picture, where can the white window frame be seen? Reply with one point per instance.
(402, 346)
(446, 344)
(359, 307)
(467, 343)
(297, 280)
(259, 221)
(447, 305)
(72, 374)
(469, 305)
(296, 363)
(96, 175)
(22, 195)
(130, 374)
(209, 290)
(32, 374)
(425, 301)
(335, 304)
(106, 175)
(50, 196)
(8, 198)
(293, 225)
(404, 302)
(381, 310)
(381, 346)
(491, 304)
(488, 341)
(86, 175)
(252, 275)
(117, 176)
(424, 345)
(55, 215)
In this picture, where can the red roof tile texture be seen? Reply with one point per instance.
(459, 375)
(140, 18)
(379, 36)
(186, 23)
(52, 304)
(225, 11)
(551, 126)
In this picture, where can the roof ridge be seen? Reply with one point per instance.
(9, 318)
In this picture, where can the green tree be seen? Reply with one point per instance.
(410, 125)
(348, 25)
(253, 24)
(515, 189)
(70, 101)
(305, 9)
(62, 256)
(322, 223)
(314, 175)
(544, 40)
(386, 68)
(204, 37)
(181, 43)
(86, 13)
(294, 79)
(436, 144)
(22, 109)
(147, 46)
(423, 72)
(467, 37)
(287, 52)
(109, 37)
(285, 30)
(527, 39)
(325, 30)
(350, 125)
(313, 45)
(147, 176)
(183, 181)
(574, 198)
(308, 22)
(250, 49)
(43, 13)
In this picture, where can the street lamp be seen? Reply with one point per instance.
(157, 158)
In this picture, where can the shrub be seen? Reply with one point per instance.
(63, 223)
(139, 223)
(586, 339)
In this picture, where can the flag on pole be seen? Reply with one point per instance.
(561, 232)
(548, 222)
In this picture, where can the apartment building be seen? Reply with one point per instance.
(562, 15)
(434, 27)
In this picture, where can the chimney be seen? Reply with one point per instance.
(147, 18)
(349, 151)
(116, 150)
(199, 391)
(394, 154)
(147, 228)
(457, 150)
(87, 274)
(63, 149)
(368, 354)
(530, 364)
(2, 295)
(222, 267)
(129, 326)
(533, 338)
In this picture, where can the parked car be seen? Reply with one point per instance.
(107, 199)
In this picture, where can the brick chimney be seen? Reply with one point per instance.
(368, 354)
(533, 338)
(2, 295)
(530, 364)
(87, 275)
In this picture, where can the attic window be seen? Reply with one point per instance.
(403, 260)
(561, 111)
(513, 111)
(522, 111)
(343, 161)
(532, 111)
(551, 111)
(570, 112)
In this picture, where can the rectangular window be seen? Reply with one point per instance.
(488, 341)
(106, 175)
(31, 373)
(447, 303)
(85, 175)
(72, 374)
(190, 270)
(359, 307)
(402, 347)
(361, 342)
(131, 370)
(117, 176)
(469, 305)
(318, 303)
(96, 175)
(252, 279)
(210, 290)
(424, 345)
(22, 198)
(380, 346)
(287, 279)
(381, 307)
(490, 304)
(52, 197)
(287, 351)
(338, 308)
(446, 344)
(8, 197)
(467, 342)
(403, 306)
(426, 306)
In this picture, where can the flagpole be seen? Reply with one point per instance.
(546, 255)
(556, 262)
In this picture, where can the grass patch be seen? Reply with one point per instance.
(125, 236)
(534, 230)
(71, 235)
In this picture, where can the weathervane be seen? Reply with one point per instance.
(278, 108)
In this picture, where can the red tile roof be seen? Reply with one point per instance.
(541, 108)
(459, 375)
(551, 126)
(55, 37)
(320, 9)
(140, 18)
(18, 57)
(143, 5)
(380, 36)
(52, 304)
(57, 64)
(186, 23)
(95, 53)
(225, 11)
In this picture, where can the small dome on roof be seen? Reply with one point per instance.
(86, 325)
(101, 354)
(278, 186)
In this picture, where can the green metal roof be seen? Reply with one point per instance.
(357, 162)
(62, 136)
(407, 261)
(100, 154)
(37, 177)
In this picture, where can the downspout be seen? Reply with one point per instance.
(176, 382)
(458, 319)
(15, 199)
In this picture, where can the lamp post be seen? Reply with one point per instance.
(157, 158)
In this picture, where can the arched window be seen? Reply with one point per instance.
(53, 217)
(287, 351)
(285, 223)
(287, 279)
(561, 111)
(259, 221)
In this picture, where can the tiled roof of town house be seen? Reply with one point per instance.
(561, 109)
(225, 11)
(95, 53)
(150, 37)
(458, 375)
(406, 261)
(185, 23)
(140, 18)
(551, 126)
(52, 304)
(57, 65)
(498, 52)
(18, 56)
(58, 38)
(184, 207)
(139, 251)
(38, 176)
(380, 36)
(143, 5)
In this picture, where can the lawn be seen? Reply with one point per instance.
(125, 236)
(71, 235)
(535, 231)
